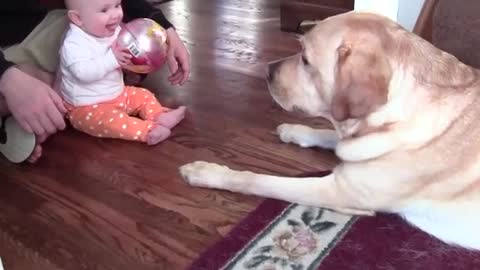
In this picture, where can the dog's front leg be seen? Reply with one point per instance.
(313, 191)
(366, 147)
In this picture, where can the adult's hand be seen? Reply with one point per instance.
(33, 103)
(178, 58)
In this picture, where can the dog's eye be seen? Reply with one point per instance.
(305, 60)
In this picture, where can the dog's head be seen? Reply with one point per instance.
(343, 71)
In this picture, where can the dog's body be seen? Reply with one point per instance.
(407, 121)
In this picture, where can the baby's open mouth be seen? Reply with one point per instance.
(112, 26)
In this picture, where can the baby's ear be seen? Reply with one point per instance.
(74, 17)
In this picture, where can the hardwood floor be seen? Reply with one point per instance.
(109, 204)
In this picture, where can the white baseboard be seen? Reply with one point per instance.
(388, 8)
(405, 12)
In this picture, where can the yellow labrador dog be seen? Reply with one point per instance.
(407, 128)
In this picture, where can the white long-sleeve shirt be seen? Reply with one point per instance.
(88, 72)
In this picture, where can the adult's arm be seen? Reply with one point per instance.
(135, 9)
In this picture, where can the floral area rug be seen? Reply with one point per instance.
(299, 238)
(282, 236)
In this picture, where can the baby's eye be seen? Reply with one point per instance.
(118, 6)
(104, 10)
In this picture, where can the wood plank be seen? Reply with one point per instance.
(293, 13)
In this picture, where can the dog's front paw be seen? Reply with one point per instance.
(204, 174)
(305, 136)
(297, 134)
(284, 133)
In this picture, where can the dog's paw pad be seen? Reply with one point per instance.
(304, 145)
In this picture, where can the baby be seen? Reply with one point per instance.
(90, 79)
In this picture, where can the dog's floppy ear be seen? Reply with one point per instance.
(362, 77)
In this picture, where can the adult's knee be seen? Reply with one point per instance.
(37, 73)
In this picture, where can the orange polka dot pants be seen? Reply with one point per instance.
(130, 116)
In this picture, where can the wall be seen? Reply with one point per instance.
(404, 12)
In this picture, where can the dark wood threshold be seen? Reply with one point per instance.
(293, 13)
(424, 24)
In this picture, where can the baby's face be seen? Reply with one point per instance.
(100, 17)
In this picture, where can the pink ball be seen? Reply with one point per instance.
(146, 41)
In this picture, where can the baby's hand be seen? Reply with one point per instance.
(123, 56)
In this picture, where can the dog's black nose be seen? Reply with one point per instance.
(272, 69)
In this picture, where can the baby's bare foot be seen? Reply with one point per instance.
(157, 134)
(36, 154)
(171, 118)
(37, 151)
